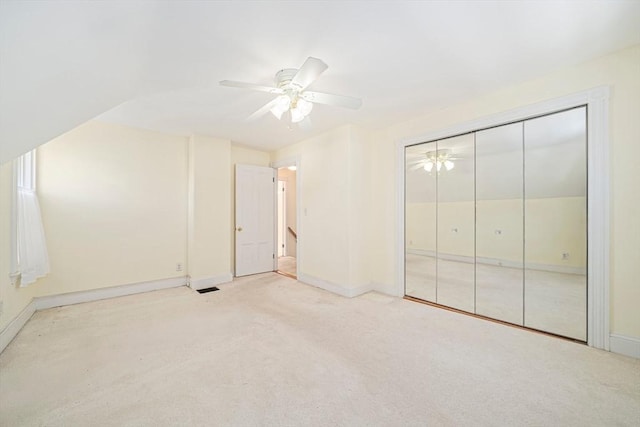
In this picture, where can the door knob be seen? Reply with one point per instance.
(239, 228)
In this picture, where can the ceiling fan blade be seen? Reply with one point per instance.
(242, 85)
(309, 72)
(329, 99)
(262, 111)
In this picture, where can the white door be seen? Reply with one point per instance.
(255, 219)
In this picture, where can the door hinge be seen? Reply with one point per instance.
(273, 180)
(273, 256)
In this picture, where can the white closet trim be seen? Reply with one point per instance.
(597, 102)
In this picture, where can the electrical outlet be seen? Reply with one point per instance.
(565, 256)
(179, 266)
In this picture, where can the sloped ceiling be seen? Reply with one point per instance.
(156, 65)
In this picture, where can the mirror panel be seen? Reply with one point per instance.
(420, 223)
(496, 223)
(555, 214)
(456, 222)
(499, 225)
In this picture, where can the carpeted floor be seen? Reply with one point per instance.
(267, 350)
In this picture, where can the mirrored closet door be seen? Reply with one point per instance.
(555, 223)
(455, 222)
(420, 223)
(495, 223)
(499, 221)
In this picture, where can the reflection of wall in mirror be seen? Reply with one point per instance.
(420, 226)
(456, 228)
(554, 226)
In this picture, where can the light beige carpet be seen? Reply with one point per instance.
(267, 350)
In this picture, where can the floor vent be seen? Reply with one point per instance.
(205, 290)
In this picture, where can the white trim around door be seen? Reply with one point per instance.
(295, 161)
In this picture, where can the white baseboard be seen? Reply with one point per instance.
(210, 281)
(335, 288)
(11, 330)
(60, 300)
(422, 252)
(384, 288)
(42, 303)
(629, 346)
(554, 268)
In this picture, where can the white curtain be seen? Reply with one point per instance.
(32, 257)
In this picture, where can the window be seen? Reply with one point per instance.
(29, 257)
(25, 174)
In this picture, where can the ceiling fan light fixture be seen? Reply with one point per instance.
(296, 115)
(291, 87)
(438, 158)
(428, 166)
(283, 102)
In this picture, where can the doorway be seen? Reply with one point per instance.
(286, 230)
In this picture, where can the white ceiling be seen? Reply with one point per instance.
(157, 65)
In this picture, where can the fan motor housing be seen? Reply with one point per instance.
(284, 77)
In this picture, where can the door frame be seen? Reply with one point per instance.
(597, 102)
(284, 217)
(283, 163)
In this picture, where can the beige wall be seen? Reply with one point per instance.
(209, 216)
(114, 207)
(620, 71)
(334, 175)
(323, 238)
(360, 201)
(123, 205)
(382, 214)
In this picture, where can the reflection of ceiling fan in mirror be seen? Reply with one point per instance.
(293, 98)
(435, 159)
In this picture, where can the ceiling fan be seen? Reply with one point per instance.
(290, 86)
(430, 159)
